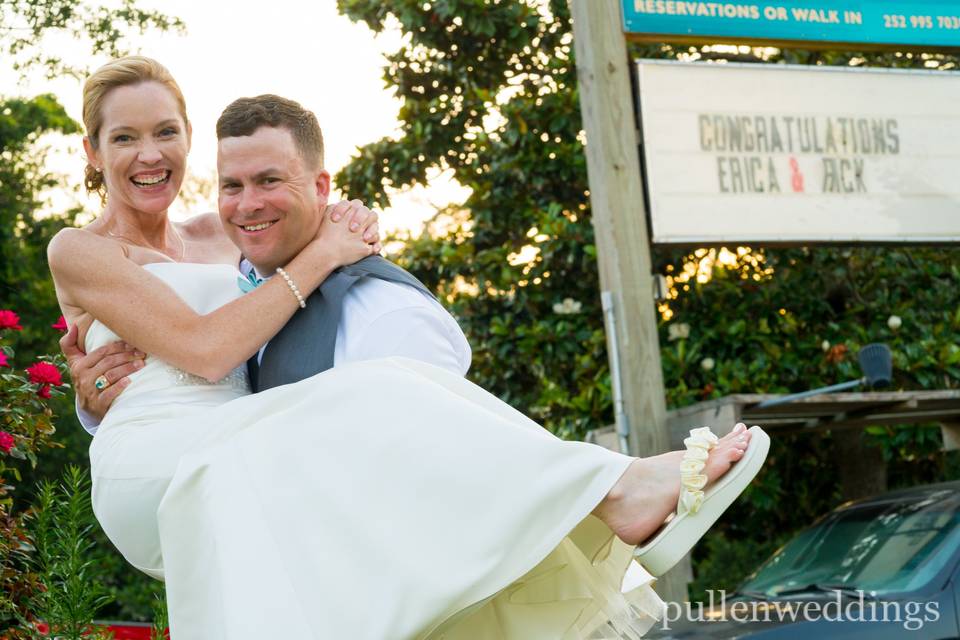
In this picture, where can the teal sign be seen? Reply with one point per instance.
(924, 23)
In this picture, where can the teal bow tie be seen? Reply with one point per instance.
(249, 283)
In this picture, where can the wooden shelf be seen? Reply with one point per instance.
(827, 411)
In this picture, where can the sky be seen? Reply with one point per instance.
(300, 50)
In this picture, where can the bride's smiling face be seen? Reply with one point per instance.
(141, 147)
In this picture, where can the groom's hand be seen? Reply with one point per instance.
(114, 361)
(360, 218)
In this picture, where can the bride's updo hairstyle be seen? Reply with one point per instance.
(122, 72)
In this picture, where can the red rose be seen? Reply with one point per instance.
(44, 391)
(6, 441)
(9, 320)
(3, 360)
(44, 373)
(61, 325)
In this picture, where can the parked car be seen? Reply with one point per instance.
(882, 567)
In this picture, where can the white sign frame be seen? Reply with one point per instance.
(900, 186)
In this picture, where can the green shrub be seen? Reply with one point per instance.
(65, 557)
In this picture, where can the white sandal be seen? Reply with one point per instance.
(697, 510)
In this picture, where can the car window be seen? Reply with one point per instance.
(882, 547)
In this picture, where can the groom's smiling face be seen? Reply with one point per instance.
(270, 198)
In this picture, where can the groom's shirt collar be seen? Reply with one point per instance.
(246, 267)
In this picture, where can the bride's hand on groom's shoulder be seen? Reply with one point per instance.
(336, 245)
(359, 219)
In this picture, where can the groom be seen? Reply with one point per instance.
(273, 191)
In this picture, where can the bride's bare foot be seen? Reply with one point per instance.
(643, 497)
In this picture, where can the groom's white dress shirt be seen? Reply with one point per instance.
(381, 319)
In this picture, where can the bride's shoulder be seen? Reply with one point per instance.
(71, 239)
(72, 248)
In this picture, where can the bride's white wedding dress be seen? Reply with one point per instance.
(379, 500)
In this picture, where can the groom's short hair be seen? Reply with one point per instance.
(244, 116)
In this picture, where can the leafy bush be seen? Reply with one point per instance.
(26, 430)
(65, 558)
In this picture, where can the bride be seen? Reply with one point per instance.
(381, 499)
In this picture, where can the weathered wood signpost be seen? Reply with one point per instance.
(706, 177)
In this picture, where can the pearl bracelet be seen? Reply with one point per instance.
(293, 287)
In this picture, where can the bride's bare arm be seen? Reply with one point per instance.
(93, 273)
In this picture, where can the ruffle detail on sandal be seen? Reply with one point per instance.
(692, 478)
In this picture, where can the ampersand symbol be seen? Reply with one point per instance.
(796, 178)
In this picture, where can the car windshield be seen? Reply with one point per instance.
(889, 547)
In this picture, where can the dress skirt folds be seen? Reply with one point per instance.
(378, 500)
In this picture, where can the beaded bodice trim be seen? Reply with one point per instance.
(236, 379)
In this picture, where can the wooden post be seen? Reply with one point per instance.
(620, 225)
(951, 435)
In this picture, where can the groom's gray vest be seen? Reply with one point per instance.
(305, 346)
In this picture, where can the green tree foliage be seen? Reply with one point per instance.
(489, 92)
(26, 25)
(25, 284)
(28, 29)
